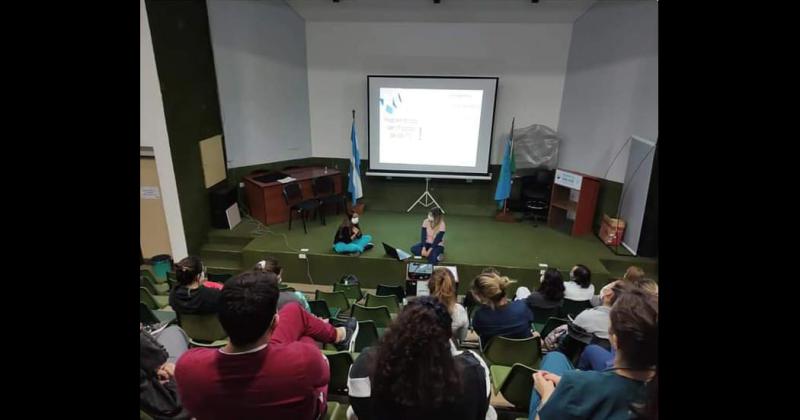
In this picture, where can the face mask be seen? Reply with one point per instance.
(354, 220)
(430, 218)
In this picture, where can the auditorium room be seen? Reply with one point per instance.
(399, 209)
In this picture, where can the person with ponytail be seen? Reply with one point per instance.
(615, 393)
(443, 286)
(431, 245)
(415, 372)
(498, 315)
(193, 294)
(271, 265)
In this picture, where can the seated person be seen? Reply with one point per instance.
(561, 392)
(649, 285)
(349, 239)
(596, 357)
(416, 373)
(633, 275)
(469, 299)
(158, 396)
(271, 368)
(579, 287)
(497, 314)
(431, 245)
(190, 295)
(595, 320)
(443, 286)
(271, 265)
(550, 293)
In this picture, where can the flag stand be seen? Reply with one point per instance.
(505, 215)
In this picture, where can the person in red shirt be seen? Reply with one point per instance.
(271, 368)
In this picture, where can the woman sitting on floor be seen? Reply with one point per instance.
(431, 245)
(349, 239)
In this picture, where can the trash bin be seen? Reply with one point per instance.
(161, 264)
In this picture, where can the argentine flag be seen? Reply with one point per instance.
(354, 187)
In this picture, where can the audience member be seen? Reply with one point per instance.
(416, 373)
(190, 295)
(271, 368)
(443, 286)
(561, 392)
(498, 315)
(633, 275)
(579, 287)
(271, 265)
(596, 320)
(550, 293)
(158, 396)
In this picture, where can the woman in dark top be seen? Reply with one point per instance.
(190, 295)
(497, 314)
(561, 392)
(550, 293)
(349, 239)
(415, 373)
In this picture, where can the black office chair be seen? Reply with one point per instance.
(294, 200)
(325, 192)
(536, 190)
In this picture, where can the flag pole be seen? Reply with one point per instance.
(511, 136)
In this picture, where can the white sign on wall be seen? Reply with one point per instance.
(150, 193)
(568, 179)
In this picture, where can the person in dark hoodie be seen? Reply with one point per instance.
(190, 295)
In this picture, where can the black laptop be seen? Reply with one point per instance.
(397, 253)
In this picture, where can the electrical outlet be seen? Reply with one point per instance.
(301, 256)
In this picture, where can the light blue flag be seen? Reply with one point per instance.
(504, 182)
(354, 186)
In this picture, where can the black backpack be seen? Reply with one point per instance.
(348, 280)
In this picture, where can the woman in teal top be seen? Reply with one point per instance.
(563, 393)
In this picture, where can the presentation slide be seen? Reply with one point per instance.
(424, 125)
(430, 126)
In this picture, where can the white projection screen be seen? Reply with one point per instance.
(430, 127)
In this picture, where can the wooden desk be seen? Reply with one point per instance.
(266, 199)
(574, 194)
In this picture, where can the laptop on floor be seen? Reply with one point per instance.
(396, 253)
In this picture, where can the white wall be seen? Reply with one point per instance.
(260, 59)
(611, 88)
(153, 133)
(529, 59)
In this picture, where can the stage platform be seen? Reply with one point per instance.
(471, 243)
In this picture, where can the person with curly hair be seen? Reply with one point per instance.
(416, 373)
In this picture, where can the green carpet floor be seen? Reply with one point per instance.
(471, 241)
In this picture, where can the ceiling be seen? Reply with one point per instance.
(500, 11)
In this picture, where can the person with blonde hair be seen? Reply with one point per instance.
(498, 315)
(443, 286)
(649, 285)
(633, 275)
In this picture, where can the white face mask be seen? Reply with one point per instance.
(430, 218)
(354, 220)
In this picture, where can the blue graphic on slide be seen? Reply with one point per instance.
(390, 108)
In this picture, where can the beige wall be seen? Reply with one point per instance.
(153, 235)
